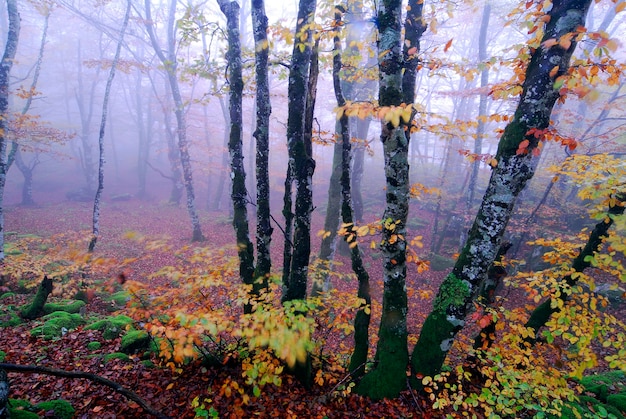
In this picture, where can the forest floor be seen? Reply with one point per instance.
(172, 392)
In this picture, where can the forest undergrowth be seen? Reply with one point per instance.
(163, 318)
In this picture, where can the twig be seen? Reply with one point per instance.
(91, 377)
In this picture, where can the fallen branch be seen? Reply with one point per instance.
(91, 377)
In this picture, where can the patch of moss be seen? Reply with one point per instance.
(135, 341)
(119, 298)
(116, 355)
(2, 356)
(10, 318)
(147, 363)
(618, 401)
(452, 292)
(62, 408)
(7, 295)
(111, 327)
(440, 263)
(73, 307)
(20, 409)
(94, 346)
(55, 323)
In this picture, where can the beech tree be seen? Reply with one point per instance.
(301, 163)
(397, 64)
(10, 48)
(169, 60)
(515, 166)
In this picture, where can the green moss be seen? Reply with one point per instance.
(120, 298)
(62, 408)
(111, 327)
(2, 356)
(10, 319)
(452, 292)
(55, 323)
(94, 346)
(73, 307)
(618, 401)
(116, 355)
(20, 409)
(610, 378)
(147, 363)
(7, 295)
(135, 341)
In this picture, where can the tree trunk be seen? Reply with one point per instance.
(397, 70)
(170, 64)
(513, 170)
(301, 163)
(239, 194)
(10, 49)
(95, 232)
(34, 309)
(362, 319)
(261, 134)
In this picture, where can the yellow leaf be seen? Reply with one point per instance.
(169, 386)
(620, 7)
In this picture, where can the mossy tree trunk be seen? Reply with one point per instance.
(35, 308)
(301, 163)
(509, 177)
(239, 193)
(263, 111)
(396, 68)
(10, 49)
(540, 316)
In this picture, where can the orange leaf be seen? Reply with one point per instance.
(448, 45)
(620, 7)
(554, 71)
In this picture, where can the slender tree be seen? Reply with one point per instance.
(8, 57)
(261, 134)
(170, 62)
(95, 232)
(301, 164)
(513, 170)
(239, 193)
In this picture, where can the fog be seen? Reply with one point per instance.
(58, 145)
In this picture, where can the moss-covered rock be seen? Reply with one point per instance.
(116, 355)
(7, 295)
(9, 318)
(62, 408)
(55, 323)
(94, 346)
(21, 409)
(2, 356)
(69, 307)
(111, 327)
(135, 341)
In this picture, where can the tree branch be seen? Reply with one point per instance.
(118, 388)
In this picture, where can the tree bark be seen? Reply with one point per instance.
(169, 61)
(95, 232)
(301, 163)
(513, 170)
(239, 194)
(396, 68)
(362, 319)
(8, 57)
(34, 309)
(261, 134)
